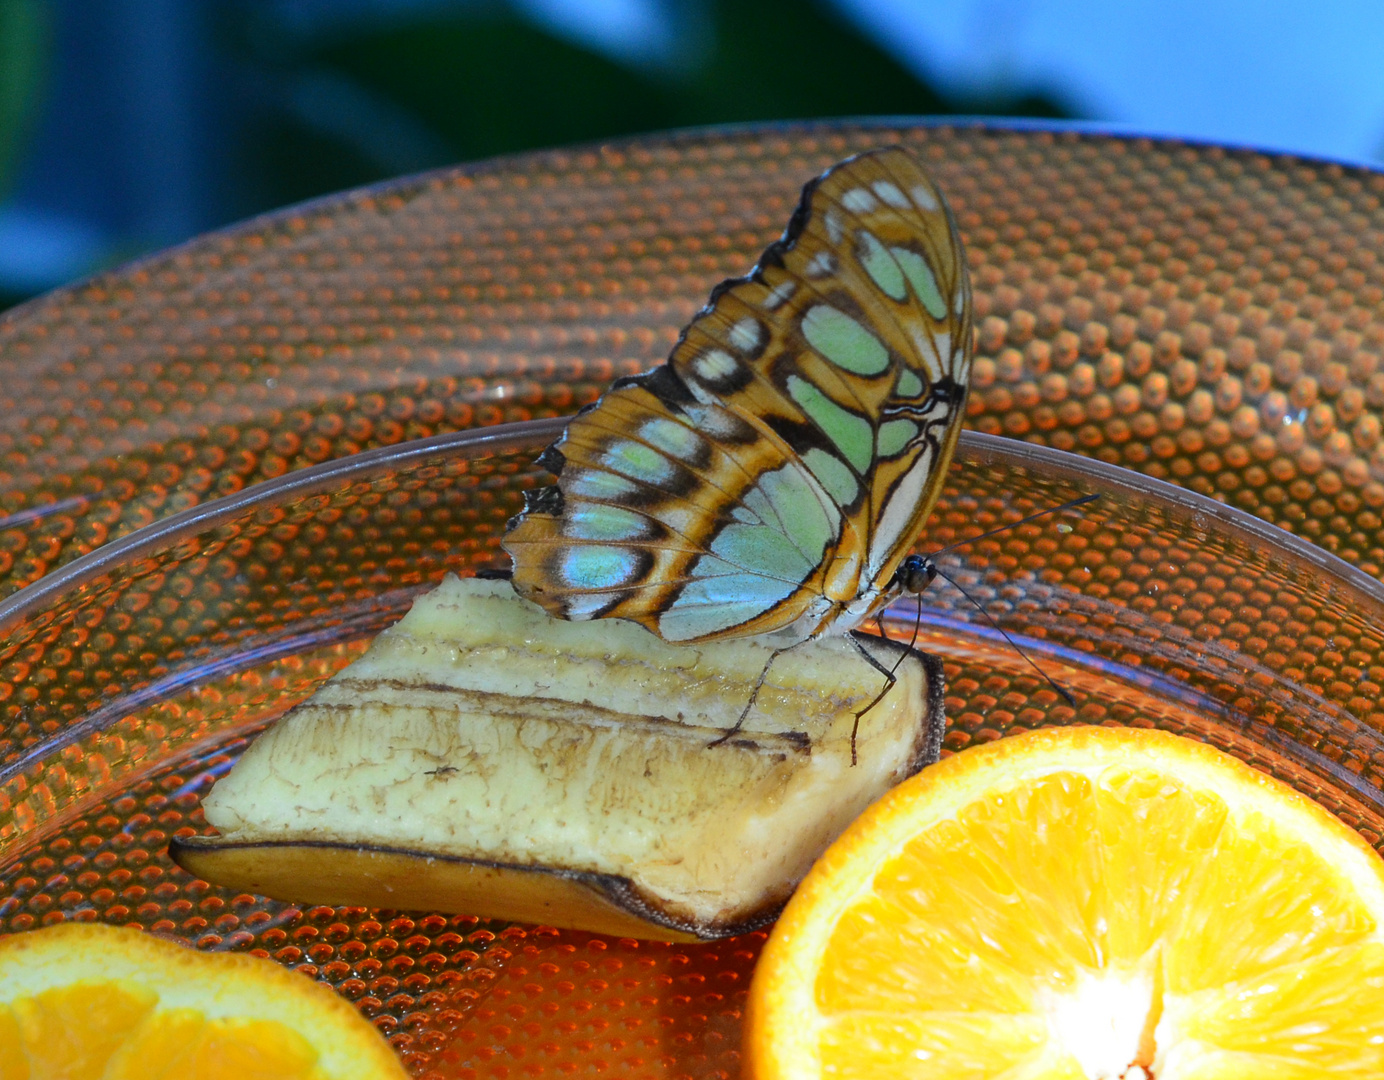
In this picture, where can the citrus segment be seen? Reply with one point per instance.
(1082, 903)
(1299, 1015)
(107, 1003)
(188, 1046)
(861, 1046)
(102, 1015)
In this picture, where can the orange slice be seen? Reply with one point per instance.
(108, 1003)
(1080, 903)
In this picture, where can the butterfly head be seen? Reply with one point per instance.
(914, 575)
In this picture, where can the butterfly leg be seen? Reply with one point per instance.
(754, 696)
(889, 676)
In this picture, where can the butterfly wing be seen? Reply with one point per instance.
(772, 474)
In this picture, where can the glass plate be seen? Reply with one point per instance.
(208, 504)
(1152, 606)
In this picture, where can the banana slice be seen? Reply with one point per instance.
(485, 758)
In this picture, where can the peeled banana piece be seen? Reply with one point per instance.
(483, 757)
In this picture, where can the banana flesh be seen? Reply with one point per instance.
(485, 758)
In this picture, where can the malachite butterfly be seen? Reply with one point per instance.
(771, 476)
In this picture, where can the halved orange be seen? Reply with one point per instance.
(82, 1001)
(1080, 903)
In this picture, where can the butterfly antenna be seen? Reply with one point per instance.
(1005, 634)
(1015, 524)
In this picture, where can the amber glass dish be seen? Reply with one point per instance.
(209, 500)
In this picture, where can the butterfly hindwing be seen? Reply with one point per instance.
(686, 519)
(772, 474)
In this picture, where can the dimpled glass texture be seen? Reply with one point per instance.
(210, 497)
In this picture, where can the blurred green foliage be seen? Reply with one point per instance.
(361, 101)
(23, 48)
(23, 60)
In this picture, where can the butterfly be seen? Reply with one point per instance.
(770, 477)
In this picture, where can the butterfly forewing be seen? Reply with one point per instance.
(770, 476)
